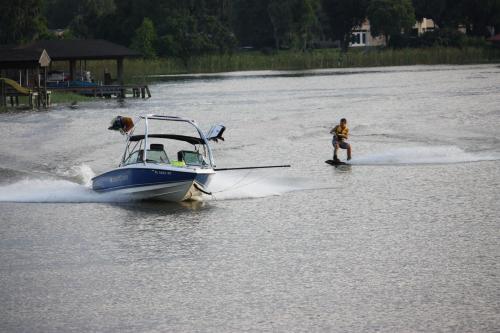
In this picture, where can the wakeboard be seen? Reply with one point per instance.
(336, 163)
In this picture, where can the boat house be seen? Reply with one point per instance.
(74, 50)
(25, 62)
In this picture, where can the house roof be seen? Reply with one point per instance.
(81, 49)
(18, 58)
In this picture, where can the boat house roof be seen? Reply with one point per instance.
(20, 58)
(81, 49)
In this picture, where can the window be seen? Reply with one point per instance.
(358, 38)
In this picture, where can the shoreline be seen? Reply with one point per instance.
(256, 63)
(312, 71)
(147, 70)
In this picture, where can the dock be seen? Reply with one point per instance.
(109, 91)
(11, 91)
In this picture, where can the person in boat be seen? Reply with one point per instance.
(340, 135)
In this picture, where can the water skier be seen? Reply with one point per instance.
(340, 135)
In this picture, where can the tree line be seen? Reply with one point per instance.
(192, 27)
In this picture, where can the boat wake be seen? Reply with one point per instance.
(71, 186)
(51, 190)
(424, 155)
(76, 188)
(243, 185)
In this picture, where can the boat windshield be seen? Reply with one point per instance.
(153, 156)
(182, 145)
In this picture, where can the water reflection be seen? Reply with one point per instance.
(160, 231)
(343, 168)
(162, 208)
(293, 73)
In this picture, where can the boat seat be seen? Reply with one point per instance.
(156, 153)
(156, 146)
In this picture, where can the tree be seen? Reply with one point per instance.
(145, 39)
(219, 35)
(280, 15)
(481, 14)
(251, 23)
(304, 18)
(88, 19)
(60, 13)
(432, 9)
(20, 21)
(343, 16)
(390, 17)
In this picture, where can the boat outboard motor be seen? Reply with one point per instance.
(215, 133)
(122, 124)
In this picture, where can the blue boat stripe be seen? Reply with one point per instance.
(131, 178)
(138, 185)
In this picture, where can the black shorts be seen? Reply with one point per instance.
(342, 143)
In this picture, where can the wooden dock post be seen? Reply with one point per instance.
(46, 102)
(3, 95)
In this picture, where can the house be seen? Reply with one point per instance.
(424, 26)
(362, 37)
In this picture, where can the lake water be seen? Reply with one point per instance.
(404, 240)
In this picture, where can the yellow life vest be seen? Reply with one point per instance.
(338, 130)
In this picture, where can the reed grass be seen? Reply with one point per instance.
(58, 97)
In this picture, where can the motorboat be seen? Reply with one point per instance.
(161, 165)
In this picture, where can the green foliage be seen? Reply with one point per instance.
(89, 16)
(58, 97)
(305, 20)
(145, 38)
(192, 28)
(390, 17)
(292, 22)
(479, 14)
(251, 23)
(343, 16)
(433, 9)
(438, 38)
(20, 21)
(59, 13)
(280, 15)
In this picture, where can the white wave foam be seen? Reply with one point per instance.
(57, 190)
(50, 190)
(82, 173)
(243, 185)
(424, 155)
(225, 186)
